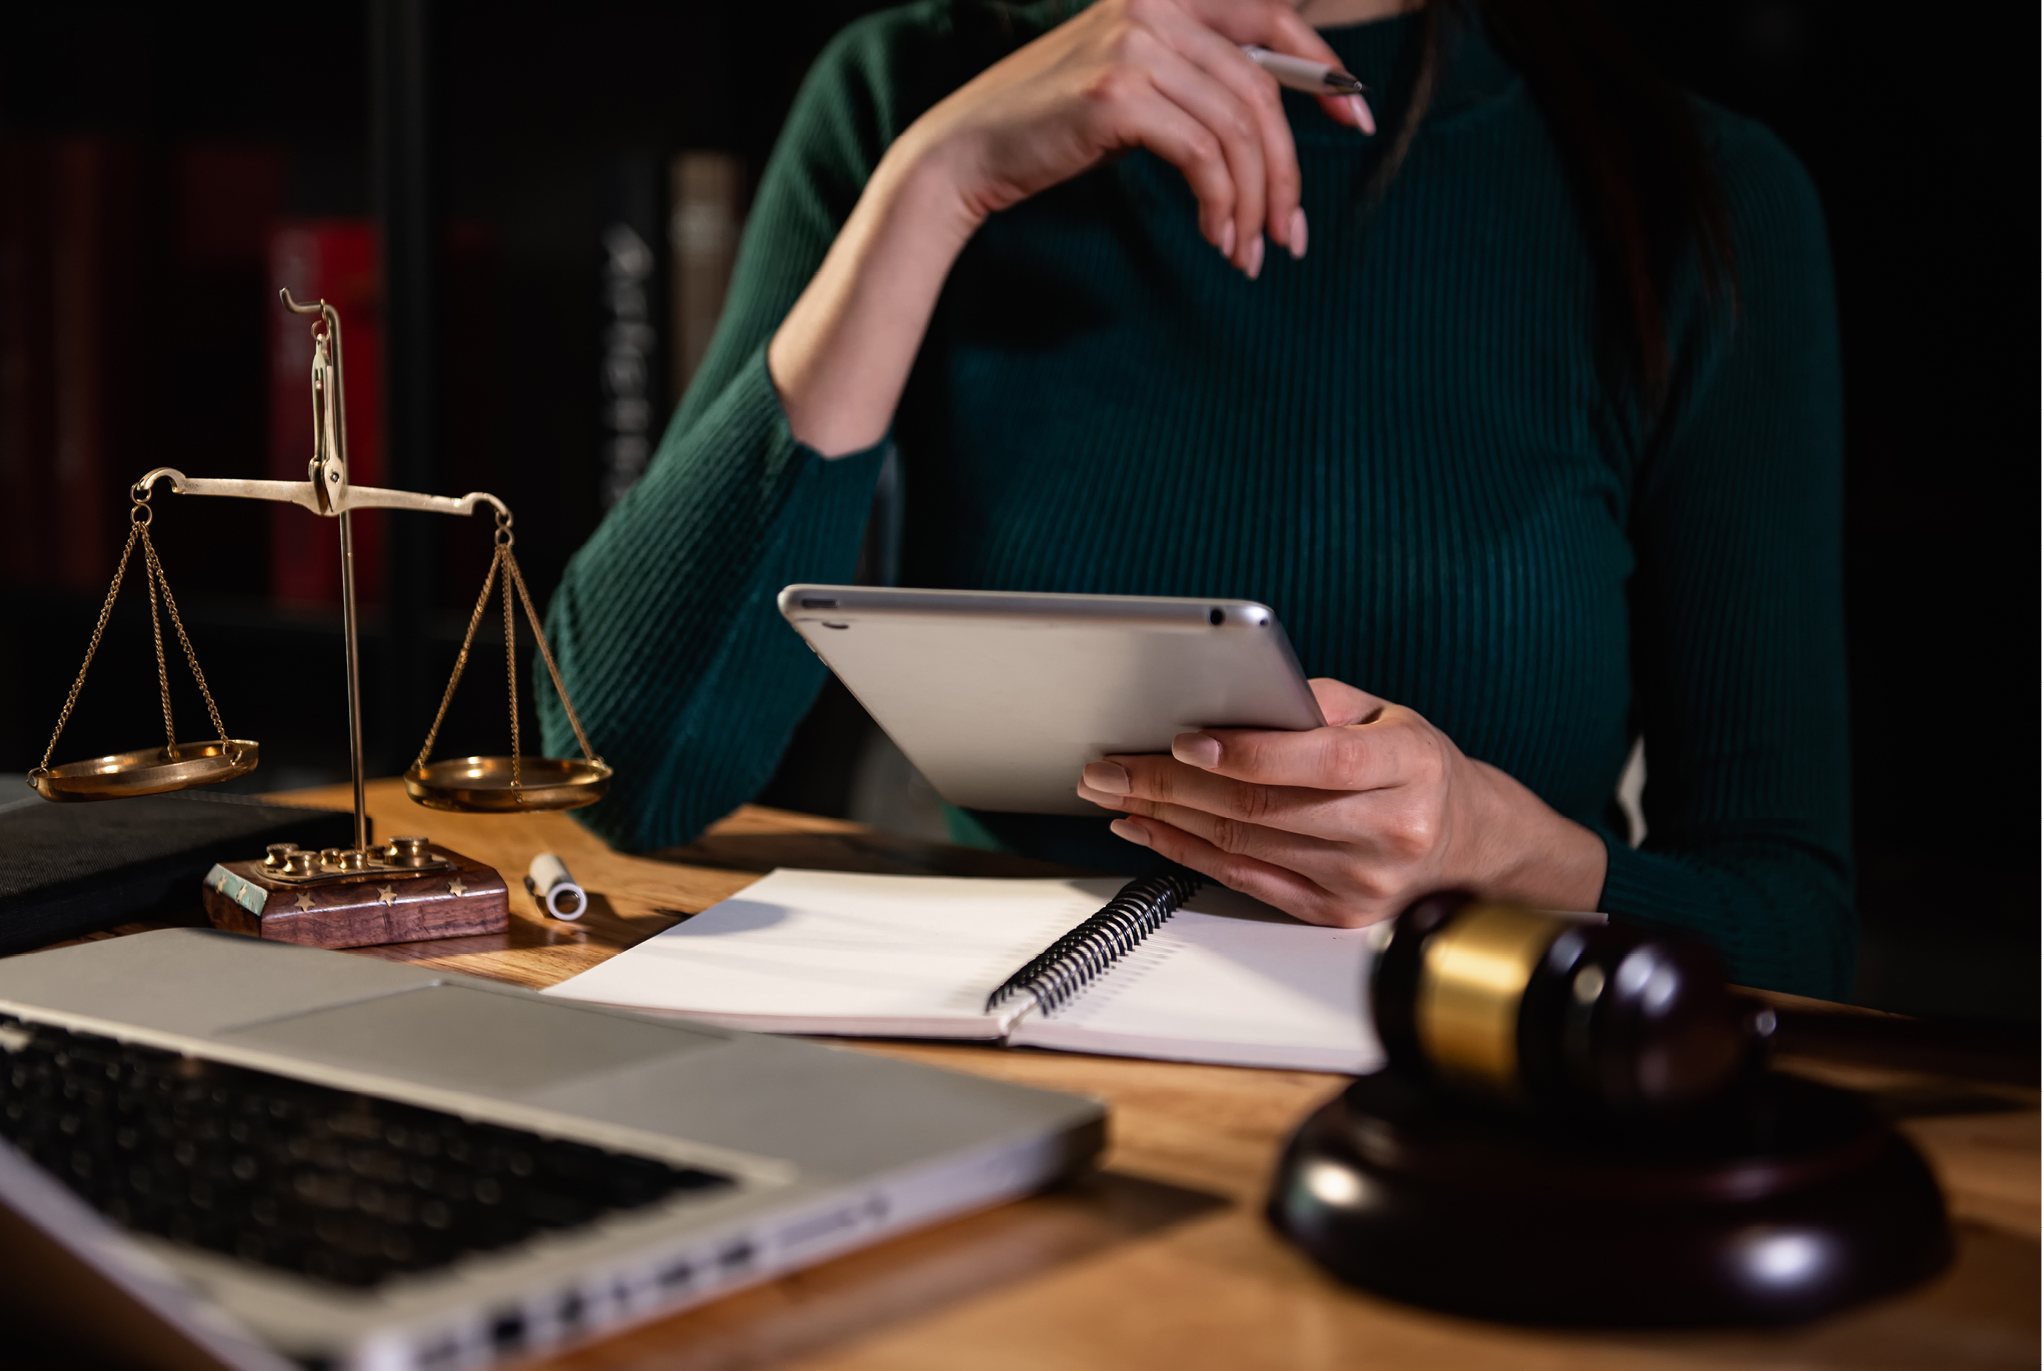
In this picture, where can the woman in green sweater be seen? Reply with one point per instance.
(1522, 412)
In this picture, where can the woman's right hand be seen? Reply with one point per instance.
(1166, 75)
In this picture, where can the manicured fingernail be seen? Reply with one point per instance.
(1227, 239)
(1101, 798)
(1255, 257)
(1363, 115)
(1298, 232)
(1110, 777)
(1131, 831)
(1195, 749)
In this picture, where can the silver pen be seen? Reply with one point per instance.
(1313, 78)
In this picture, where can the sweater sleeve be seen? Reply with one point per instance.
(664, 624)
(1737, 613)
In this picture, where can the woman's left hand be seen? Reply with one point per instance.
(1346, 824)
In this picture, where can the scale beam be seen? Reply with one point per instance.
(305, 495)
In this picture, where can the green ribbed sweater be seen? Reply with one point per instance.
(1400, 443)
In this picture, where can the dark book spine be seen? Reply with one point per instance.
(706, 224)
(27, 425)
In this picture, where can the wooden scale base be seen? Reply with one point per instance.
(360, 909)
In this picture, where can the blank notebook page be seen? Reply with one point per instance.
(1228, 979)
(831, 952)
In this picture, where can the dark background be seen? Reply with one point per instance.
(512, 134)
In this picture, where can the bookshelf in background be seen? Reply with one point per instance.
(630, 347)
(75, 337)
(706, 223)
(703, 193)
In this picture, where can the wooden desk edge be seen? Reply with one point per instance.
(1188, 1129)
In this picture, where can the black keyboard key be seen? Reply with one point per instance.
(337, 1186)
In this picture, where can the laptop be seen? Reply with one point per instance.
(259, 1155)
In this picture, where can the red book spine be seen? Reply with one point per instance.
(334, 260)
(68, 244)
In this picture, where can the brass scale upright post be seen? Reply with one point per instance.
(237, 892)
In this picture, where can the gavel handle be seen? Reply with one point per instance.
(1968, 1049)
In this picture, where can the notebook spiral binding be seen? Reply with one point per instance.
(1075, 960)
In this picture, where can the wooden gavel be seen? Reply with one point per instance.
(1577, 1127)
(1548, 1013)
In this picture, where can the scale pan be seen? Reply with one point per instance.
(148, 771)
(482, 785)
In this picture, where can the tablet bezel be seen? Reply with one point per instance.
(1036, 663)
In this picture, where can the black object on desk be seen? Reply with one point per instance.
(273, 1170)
(1788, 1201)
(1575, 1128)
(66, 870)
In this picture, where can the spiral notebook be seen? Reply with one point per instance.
(1129, 969)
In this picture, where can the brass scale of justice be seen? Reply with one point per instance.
(490, 785)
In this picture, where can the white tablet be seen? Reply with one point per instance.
(1001, 698)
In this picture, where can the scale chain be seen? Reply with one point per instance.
(92, 649)
(460, 662)
(559, 689)
(191, 658)
(505, 561)
(138, 532)
(510, 667)
(153, 576)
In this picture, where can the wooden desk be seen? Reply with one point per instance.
(1161, 1259)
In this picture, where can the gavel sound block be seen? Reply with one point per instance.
(1576, 1127)
(453, 897)
(1784, 1202)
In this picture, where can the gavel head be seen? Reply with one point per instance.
(1555, 1015)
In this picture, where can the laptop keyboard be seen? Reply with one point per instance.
(326, 1183)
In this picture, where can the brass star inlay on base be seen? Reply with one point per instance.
(454, 887)
(304, 901)
(386, 894)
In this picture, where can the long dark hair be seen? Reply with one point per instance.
(1642, 180)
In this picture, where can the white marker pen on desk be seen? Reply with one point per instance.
(1314, 78)
(554, 889)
